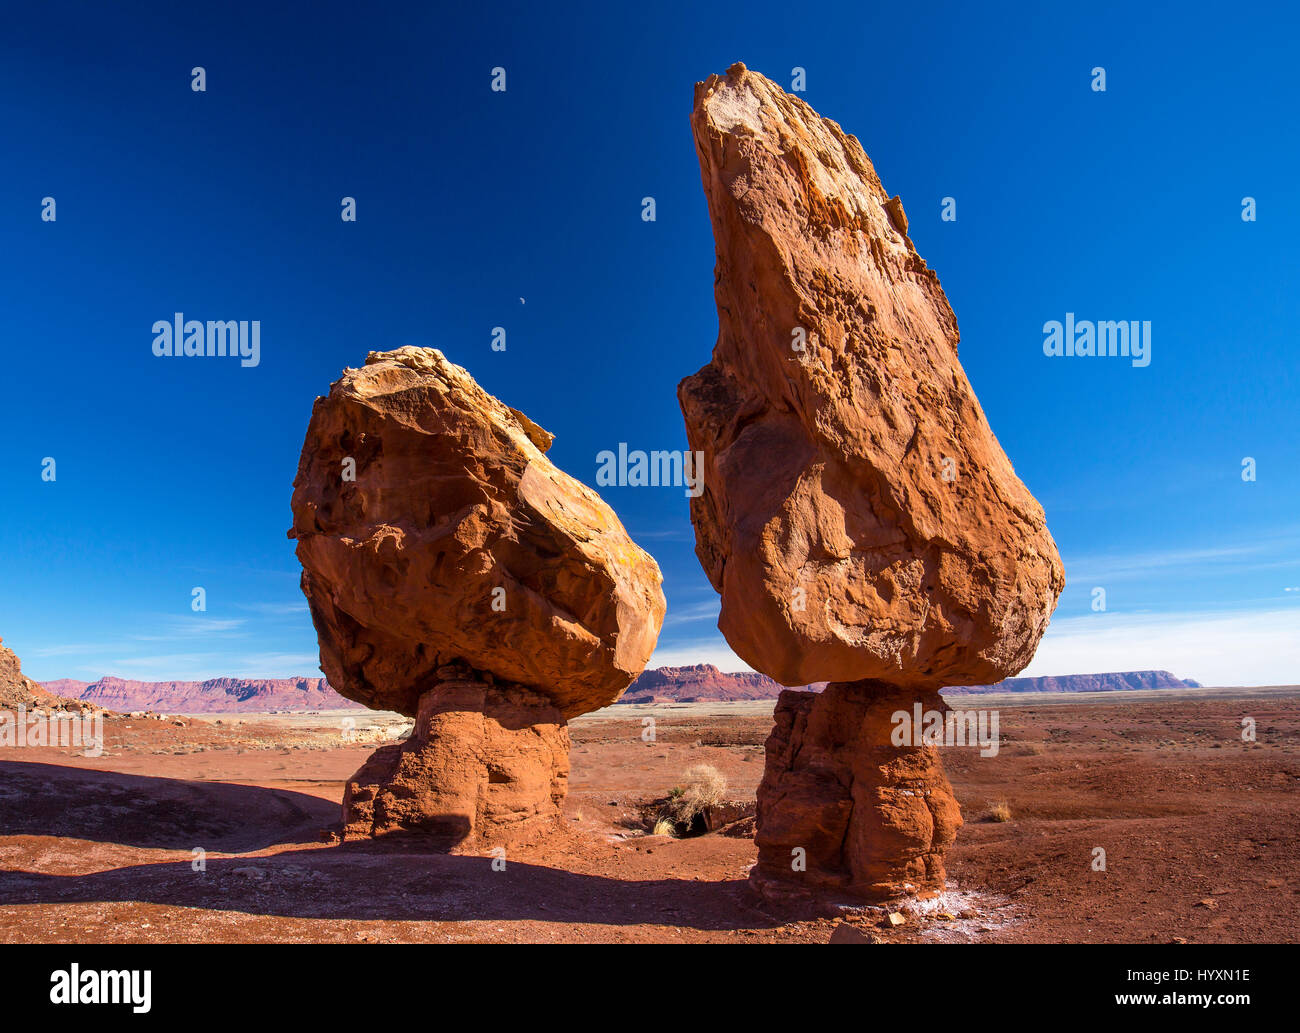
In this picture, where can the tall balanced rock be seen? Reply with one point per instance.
(455, 575)
(859, 518)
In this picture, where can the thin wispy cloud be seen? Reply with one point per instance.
(277, 609)
(173, 629)
(1256, 556)
(705, 611)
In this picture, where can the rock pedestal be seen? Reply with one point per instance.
(485, 763)
(871, 818)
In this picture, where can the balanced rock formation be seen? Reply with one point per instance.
(456, 576)
(858, 517)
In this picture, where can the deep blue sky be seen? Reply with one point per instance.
(225, 205)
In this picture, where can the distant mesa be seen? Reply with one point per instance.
(1115, 681)
(696, 683)
(699, 683)
(216, 695)
(705, 683)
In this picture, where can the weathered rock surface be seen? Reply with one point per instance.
(826, 523)
(873, 818)
(454, 498)
(484, 763)
(859, 519)
(456, 576)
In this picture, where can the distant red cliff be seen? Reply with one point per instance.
(704, 682)
(214, 695)
(698, 683)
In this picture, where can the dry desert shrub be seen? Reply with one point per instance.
(702, 786)
(999, 810)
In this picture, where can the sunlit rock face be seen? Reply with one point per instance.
(859, 518)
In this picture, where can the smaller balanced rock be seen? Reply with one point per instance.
(455, 575)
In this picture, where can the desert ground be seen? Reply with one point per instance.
(1201, 833)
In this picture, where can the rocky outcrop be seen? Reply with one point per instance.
(441, 549)
(858, 517)
(16, 689)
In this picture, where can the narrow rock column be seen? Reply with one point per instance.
(841, 807)
(486, 762)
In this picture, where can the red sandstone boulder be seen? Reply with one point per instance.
(859, 518)
(458, 540)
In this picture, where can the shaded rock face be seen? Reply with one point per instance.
(873, 818)
(435, 536)
(859, 519)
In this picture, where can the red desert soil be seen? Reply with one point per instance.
(1201, 834)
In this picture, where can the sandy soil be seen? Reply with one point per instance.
(1201, 834)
